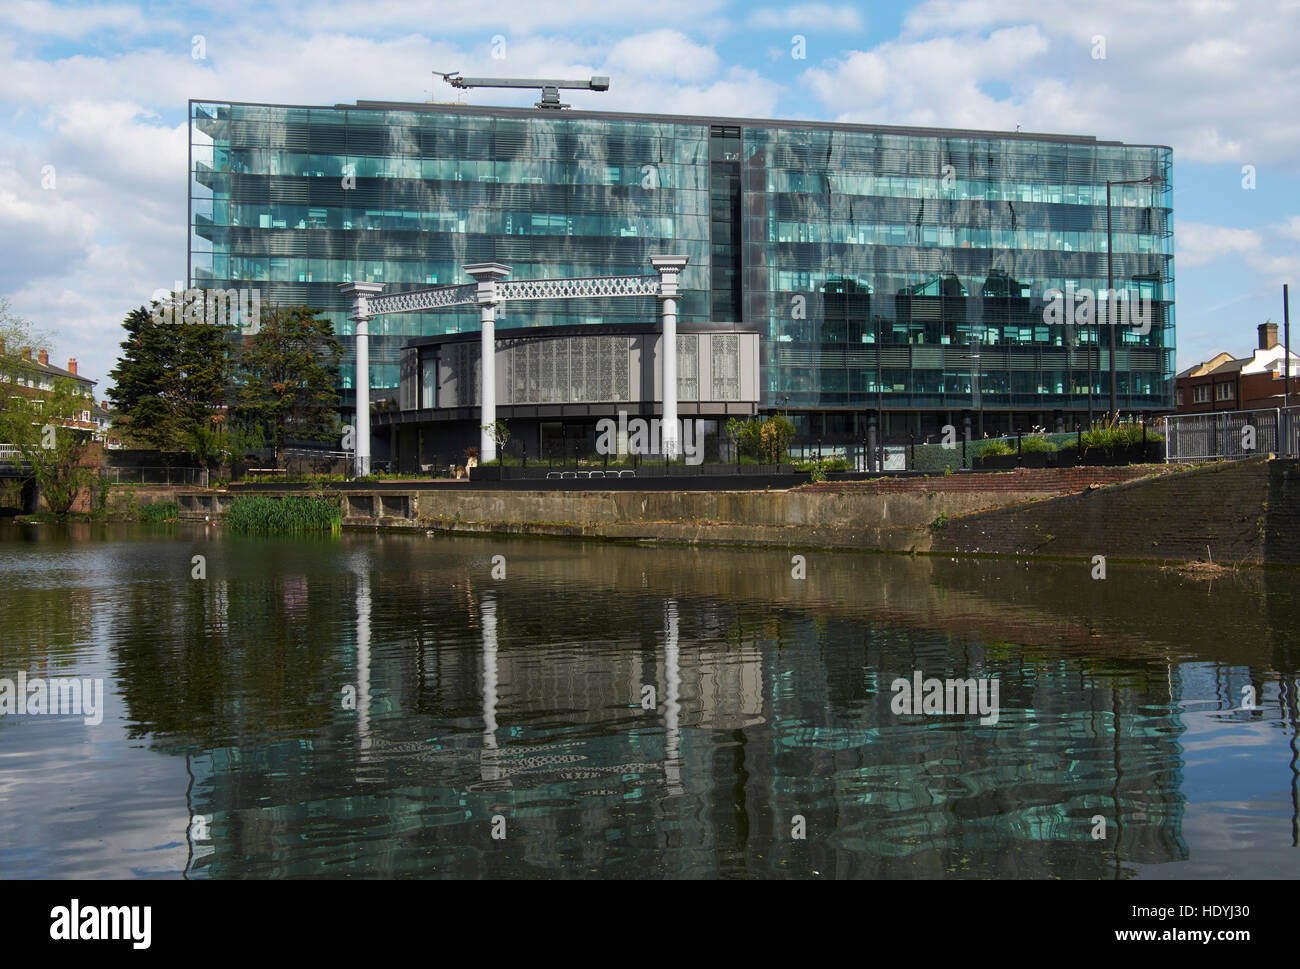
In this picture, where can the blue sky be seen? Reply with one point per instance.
(98, 91)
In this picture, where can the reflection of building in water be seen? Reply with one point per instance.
(919, 796)
(500, 700)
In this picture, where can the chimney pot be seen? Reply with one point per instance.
(72, 365)
(1267, 335)
(44, 357)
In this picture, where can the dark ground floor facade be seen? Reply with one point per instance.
(417, 441)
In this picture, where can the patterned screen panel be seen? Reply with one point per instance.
(725, 353)
(567, 370)
(688, 366)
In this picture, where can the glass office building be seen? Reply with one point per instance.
(892, 271)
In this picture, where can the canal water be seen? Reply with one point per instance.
(399, 705)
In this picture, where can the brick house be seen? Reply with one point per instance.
(1225, 382)
(23, 374)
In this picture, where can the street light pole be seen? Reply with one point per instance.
(1110, 292)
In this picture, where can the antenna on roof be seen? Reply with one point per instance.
(550, 89)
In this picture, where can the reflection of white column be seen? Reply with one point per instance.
(489, 767)
(360, 292)
(363, 659)
(668, 267)
(673, 677)
(487, 274)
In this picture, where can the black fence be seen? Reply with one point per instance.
(142, 475)
(1228, 435)
(547, 472)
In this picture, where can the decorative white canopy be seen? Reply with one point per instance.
(490, 289)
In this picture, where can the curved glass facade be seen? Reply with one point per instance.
(898, 270)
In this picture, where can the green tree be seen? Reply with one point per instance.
(500, 433)
(43, 429)
(200, 389)
(172, 385)
(16, 333)
(142, 382)
(763, 440)
(287, 372)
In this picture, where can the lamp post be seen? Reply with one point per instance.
(1110, 284)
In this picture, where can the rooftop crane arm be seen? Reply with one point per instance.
(550, 88)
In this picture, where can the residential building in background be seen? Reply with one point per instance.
(1254, 382)
(896, 277)
(35, 376)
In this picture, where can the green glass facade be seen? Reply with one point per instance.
(873, 259)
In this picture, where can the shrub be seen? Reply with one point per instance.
(824, 465)
(254, 514)
(1036, 445)
(1121, 436)
(160, 511)
(996, 449)
(764, 440)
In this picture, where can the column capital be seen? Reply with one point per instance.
(360, 288)
(360, 293)
(487, 275)
(668, 267)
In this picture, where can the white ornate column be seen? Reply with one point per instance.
(668, 267)
(360, 293)
(487, 275)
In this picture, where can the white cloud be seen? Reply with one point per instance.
(1214, 80)
(663, 53)
(929, 82)
(1198, 243)
(47, 227)
(1269, 252)
(56, 20)
(807, 16)
(1290, 228)
(511, 18)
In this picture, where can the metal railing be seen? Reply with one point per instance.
(649, 469)
(159, 476)
(318, 455)
(1231, 435)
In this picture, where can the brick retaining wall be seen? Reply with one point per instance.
(1244, 511)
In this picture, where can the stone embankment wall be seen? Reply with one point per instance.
(1038, 481)
(1245, 511)
(885, 515)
